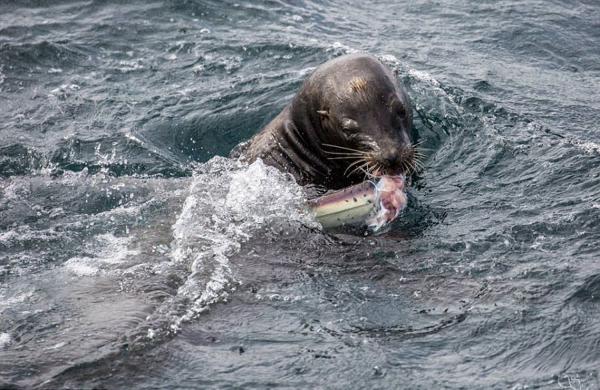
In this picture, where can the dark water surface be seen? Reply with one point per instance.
(132, 257)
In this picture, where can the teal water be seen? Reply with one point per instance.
(134, 254)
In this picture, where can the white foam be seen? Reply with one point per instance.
(64, 89)
(6, 302)
(151, 333)
(16, 190)
(227, 202)
(260, 192)
(81, 266)
(588, 147)
(56, 346)
(5, 340)
(340, 48)
(109, 251)
(424, 76)
(390, 59)
(129, 135)
(24, 233)
(127, 66)
(306, 71)
(106, 159)
(6, 238)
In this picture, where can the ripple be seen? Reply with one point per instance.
(131, 256)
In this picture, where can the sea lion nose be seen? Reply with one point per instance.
(391, 157)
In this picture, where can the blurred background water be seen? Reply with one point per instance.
(133, 256)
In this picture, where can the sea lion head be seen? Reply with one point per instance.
(363, 117)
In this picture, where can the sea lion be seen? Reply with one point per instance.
(350, 120)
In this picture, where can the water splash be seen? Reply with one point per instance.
(109, 250)
(227, 202)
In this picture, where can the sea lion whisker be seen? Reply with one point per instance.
(422, 149)
(416, 166)
(419, 166)
(342, 158)
(418, 154)
(417, 145)
(357, 168)
(371, 170)
(380, 168)
(375, 167)
(412, 166)
(344, 153)
(342, 147)
(341, 152)
(367, 173)
(352, 164)
(406, 166)
(371, 156)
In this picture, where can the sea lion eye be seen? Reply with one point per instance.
(349, 124)
(397, 108)
(401, 111)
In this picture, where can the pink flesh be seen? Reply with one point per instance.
(392, 199)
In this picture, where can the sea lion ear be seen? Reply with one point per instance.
(323, 113)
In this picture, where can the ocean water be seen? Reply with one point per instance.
(135, 254)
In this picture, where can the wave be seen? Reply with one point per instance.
(121, 155)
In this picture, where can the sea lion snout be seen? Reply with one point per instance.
(391, 157)
(396, 160)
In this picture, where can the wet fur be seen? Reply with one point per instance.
(310, 138)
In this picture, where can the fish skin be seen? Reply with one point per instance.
(370, 203)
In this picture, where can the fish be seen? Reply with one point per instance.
(374, 203)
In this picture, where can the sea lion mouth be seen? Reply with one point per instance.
(371, 162)
(402, 166)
